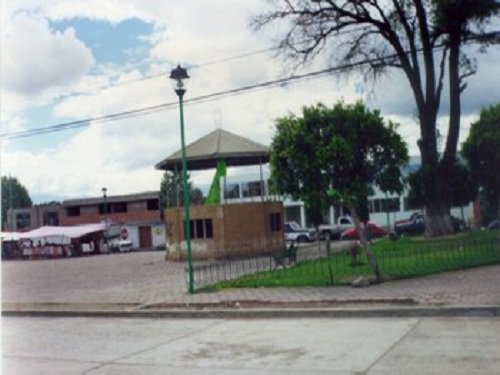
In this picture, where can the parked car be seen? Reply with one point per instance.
(333, 231)
(120, 246)
(294, 232)
(413, 217)
(458, 224)
(373, 231)
(416, 225)
(495, 224)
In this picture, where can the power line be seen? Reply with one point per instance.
(196, 100)
(158, 75)
(196, 66)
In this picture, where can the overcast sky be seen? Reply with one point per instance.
(70, 60)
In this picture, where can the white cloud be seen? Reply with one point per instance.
(120, 155)
(97, 156)
(110, 10)
(36, 58)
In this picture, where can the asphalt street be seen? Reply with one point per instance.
(373, 346)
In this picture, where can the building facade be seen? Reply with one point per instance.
(226, 230)
(23, 219)
(385, 209)
(135, 217)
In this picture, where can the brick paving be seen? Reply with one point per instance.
(146, 278)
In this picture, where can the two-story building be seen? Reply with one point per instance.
(135, 217)
(384, 208)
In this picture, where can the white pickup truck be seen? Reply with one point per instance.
(335, 230)
(294, 232)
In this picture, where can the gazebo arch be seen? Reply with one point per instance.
(224, 230)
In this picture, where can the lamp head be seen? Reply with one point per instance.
(179, 76)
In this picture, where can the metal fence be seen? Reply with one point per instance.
(341, 262)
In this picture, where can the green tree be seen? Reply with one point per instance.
(415, 199)
(489, 207)
(171, 194)
(337, 155)
(482, 151)
(462, 188)
(406, 35)
(14, 195)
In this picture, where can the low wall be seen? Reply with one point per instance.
(236, 230)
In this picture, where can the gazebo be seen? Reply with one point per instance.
(220, 230)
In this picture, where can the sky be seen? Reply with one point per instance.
(70, 60)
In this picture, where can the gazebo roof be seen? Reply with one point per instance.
(219, 144)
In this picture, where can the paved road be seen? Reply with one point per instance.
(430, 346)
(146, 278)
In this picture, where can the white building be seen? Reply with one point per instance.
(248, 188)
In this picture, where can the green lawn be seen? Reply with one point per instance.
(406, 257)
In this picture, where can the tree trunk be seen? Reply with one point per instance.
(437, 208)
(498, 209)
(455, 105)
(437, 220)
(362, 236)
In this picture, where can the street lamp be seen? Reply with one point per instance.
(104, 190)
(179, 75)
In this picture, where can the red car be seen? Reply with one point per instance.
(374, 230)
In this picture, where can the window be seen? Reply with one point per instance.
(23, 220)
(383, 205)
(394, 205)
(232, 191)
(104, 210)
(153, 204)
(292, 213)
(51, 218)
(112, 208)
(344, 221)
(119, 207)
(409, 207)
(200, 229)
(275, 222)
(73, 211)
(252, 189)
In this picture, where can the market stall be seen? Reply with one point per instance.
(59, 241)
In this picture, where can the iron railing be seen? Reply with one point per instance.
(341, 262)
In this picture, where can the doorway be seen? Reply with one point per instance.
(145, 239)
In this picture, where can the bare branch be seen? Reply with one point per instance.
(442, 68)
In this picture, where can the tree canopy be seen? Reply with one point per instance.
(171, 194)
(422, 38)
(14, 195)
(336, 154)
(347, 148)
(482, 151)
(463, 187)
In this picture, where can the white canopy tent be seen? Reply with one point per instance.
(61, 235)
(10, 236)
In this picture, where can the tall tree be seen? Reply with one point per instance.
(171, 194)
(463, 188)
(402, 34)
(337, 154)
(14, 195)
(482, 151)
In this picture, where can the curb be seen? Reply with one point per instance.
(263, 313)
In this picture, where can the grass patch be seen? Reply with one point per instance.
(403, 258)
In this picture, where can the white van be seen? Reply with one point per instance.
(121, 246)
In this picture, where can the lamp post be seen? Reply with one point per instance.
(178, 75)
(105, 208)
(11, 226)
